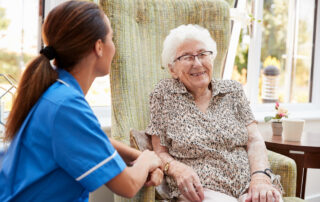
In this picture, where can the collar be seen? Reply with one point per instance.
(221, 87)
(67, 79)
(218, 87)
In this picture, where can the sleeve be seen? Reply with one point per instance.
(157, 124)
(81, 148)
(243, 108)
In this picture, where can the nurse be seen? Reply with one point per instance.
(58, 151)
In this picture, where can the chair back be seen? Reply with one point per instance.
(140, 27)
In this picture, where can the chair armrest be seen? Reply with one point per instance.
(293, 199)
(287, 169)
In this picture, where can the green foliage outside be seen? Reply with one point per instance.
(4, 22)
(241, 60)
(274, 35)
(274, 42)
(10, 61)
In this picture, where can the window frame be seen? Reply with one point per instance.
(308, 111)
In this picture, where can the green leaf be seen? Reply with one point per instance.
(267, 118)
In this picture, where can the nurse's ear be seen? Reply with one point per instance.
(98, 48)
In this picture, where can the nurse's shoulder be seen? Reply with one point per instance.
(62, 93)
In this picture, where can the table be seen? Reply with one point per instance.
(306, 154)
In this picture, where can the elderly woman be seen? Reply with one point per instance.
(204, 130)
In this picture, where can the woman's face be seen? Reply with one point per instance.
(194, 74)
(108, 51)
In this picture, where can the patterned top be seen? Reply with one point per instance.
(212, 143)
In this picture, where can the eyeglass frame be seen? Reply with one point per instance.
(194, 56)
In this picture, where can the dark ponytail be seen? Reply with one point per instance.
(70, 30)
(37, 77)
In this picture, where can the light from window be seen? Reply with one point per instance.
(287, 43)
(99, 94)
(19, 44)
(287, 48)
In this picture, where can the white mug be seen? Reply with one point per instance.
(292, 129)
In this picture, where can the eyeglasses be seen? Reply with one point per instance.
(190, 58)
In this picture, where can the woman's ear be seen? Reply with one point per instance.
(172, 72)
(98, 48)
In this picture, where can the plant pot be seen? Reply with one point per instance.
(276, 128)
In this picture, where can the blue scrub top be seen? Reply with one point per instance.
(60, 152)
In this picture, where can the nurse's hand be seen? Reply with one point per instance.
(131, 179)
(150, 159)
(155, 178)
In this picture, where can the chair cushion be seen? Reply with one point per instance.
(140, 140)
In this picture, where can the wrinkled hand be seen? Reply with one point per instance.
(261, 190)
(187, 181)
(155, 178)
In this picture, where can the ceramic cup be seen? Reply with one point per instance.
(292, 129)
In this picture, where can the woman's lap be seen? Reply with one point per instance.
(214, 196)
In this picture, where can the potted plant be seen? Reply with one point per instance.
(276, 121)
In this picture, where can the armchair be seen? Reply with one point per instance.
(140, 27)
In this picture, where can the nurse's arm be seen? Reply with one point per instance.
(127, 153)
(131, 179)
(130, 155)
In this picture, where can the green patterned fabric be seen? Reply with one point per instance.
(292, 199)
(287, 169)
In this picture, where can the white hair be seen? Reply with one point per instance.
(178, 35)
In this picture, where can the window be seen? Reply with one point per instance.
(275, 59)
(19, 44)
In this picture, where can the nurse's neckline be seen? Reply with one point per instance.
(63, 82)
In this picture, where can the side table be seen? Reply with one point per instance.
(306, 154)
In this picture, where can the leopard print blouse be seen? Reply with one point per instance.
(212, 143)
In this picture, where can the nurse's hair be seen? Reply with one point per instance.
(179, 35)
(70, 32)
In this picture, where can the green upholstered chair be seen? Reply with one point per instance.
(287, 169)
(140, 27)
